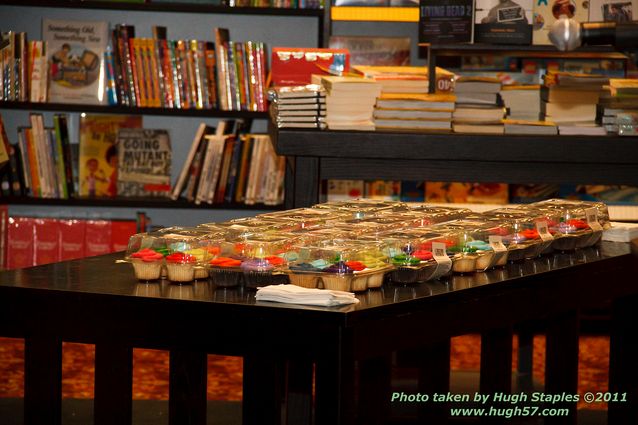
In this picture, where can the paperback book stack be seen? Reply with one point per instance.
(522, 103)
(298, 106)
(570, 99)
(414, 111)
(619, 104)
(350, 102)
(477, 106)
(406, 79)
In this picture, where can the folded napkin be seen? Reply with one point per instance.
(293, 294)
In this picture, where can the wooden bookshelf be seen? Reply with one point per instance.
(167, 7)
(372, 155)
(163, 203)
(131, 110)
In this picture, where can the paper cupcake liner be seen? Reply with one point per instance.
(147, 270)
(180, 272)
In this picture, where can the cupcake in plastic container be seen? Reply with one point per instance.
(181, 267)
(225, 271)
(266, 259)
(146, 252)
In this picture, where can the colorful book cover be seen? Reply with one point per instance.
(613, 10)
(98, 152)
(383, 190)
(546, 12)
(503, 21)
(76, 56)
(446, 21)
(365, 50)
(456, 192)
(340, 190)
(144, 162)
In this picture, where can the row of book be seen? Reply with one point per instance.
(284, 4)
(186, 74)
(231, 168)
(32, 241)
(118, 68)
(40, 163)
(477, 193)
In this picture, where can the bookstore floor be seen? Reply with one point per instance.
(150, 379)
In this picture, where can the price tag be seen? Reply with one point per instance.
(543, 231)
(592, 219)
(496, 242)
(500, 250)
(443, 262)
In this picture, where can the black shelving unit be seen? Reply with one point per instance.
(108, 109)
(318, 155)
(135, 203)
(532, 51)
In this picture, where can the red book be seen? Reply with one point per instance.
(72, 235)
(293, 66)
(121, 231)
(20, 243)
(46, 241)
(97, 239)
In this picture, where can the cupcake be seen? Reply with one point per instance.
(180, 267)
(337, 277)
(201, 255)
(225, 271)
(147, 264)
(257, 272)
(306, 274)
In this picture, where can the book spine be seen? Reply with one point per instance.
(175, 72)
(150, 74)
(206, 172)
(167, 73)
(111, 88)
(235, 164)
(128, 66)
(202, 77)
(244, 167)
(120, 70)
(137, 67)
(66, 154)
(242, 81)
(18, 186)
(262, 104)
(24, 158)
(234, 99)
(219, 144)
(182, 74)
(211, 73)
(52, 163)
(158, 66)
(220, 192)
(222, 76)
(181, 180)
(60, 162)
(36, 190)
(195, 173)
(194, 77)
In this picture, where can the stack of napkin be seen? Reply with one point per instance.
(621, 232)
(293, 294)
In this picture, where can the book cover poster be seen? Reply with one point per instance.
(144, 162)
(455, 192)
(98, 152)
(546, 12)
(340, 190)
(613, 10)
(503, 21)
(446, 21)
(76, 56)
(387, 51)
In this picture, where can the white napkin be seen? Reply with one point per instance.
(621, 232)
(293, 294)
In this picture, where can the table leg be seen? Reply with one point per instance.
(433, 364)
(262, 389)
(496, 361)
(334, 382)
(525, 372)
(374, 390)
(187, 388)
(113, 384)
(623, 371)
(42, 380)
(306, 182)
(561, 363)
(299, 392)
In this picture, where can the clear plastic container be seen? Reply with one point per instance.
(361, 208)
(146, 253)
(265, 260)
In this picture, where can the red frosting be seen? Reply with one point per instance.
(355, 265)
(579, 224)
(147, 255)
(275, 261)
(180, 257)
(225, 262)
(422, 254)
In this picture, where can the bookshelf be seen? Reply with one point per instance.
(320, 155)
(184, 21)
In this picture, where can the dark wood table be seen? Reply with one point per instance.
(346, 348)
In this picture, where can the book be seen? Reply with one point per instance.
(477, 84)
(343, 190)
(478, 128)
(521, 101)
(46, 241)
(621, 11)
(413, 124)
(72, 236)
(624, 87)
(366, 50)
(559, 94)
(98, 153)
(503, 21)
(97, 237)
(75, 51)
(530, 127)
(121, 231)
(568, 112)
(455, 192)
(416, 101)
(412, 114)
(478, 113)
(446, 21)
(144, 162)
(406, 79)
(383, 190)
(187, 170)
(20, 249)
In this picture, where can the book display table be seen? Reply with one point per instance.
(95, 300)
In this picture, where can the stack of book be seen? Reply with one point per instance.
(620, 100)
(23, 68)
(414, 111)
(350, 102)
(570, 99)
(477, 106)
(521, 101)
(298, 106)
(406, 79)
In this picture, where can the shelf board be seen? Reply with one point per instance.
(386, 14)
(602, 52)
(166, 7)
(107, 109)
(133, 203)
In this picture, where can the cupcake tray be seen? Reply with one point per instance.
(350, 282)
